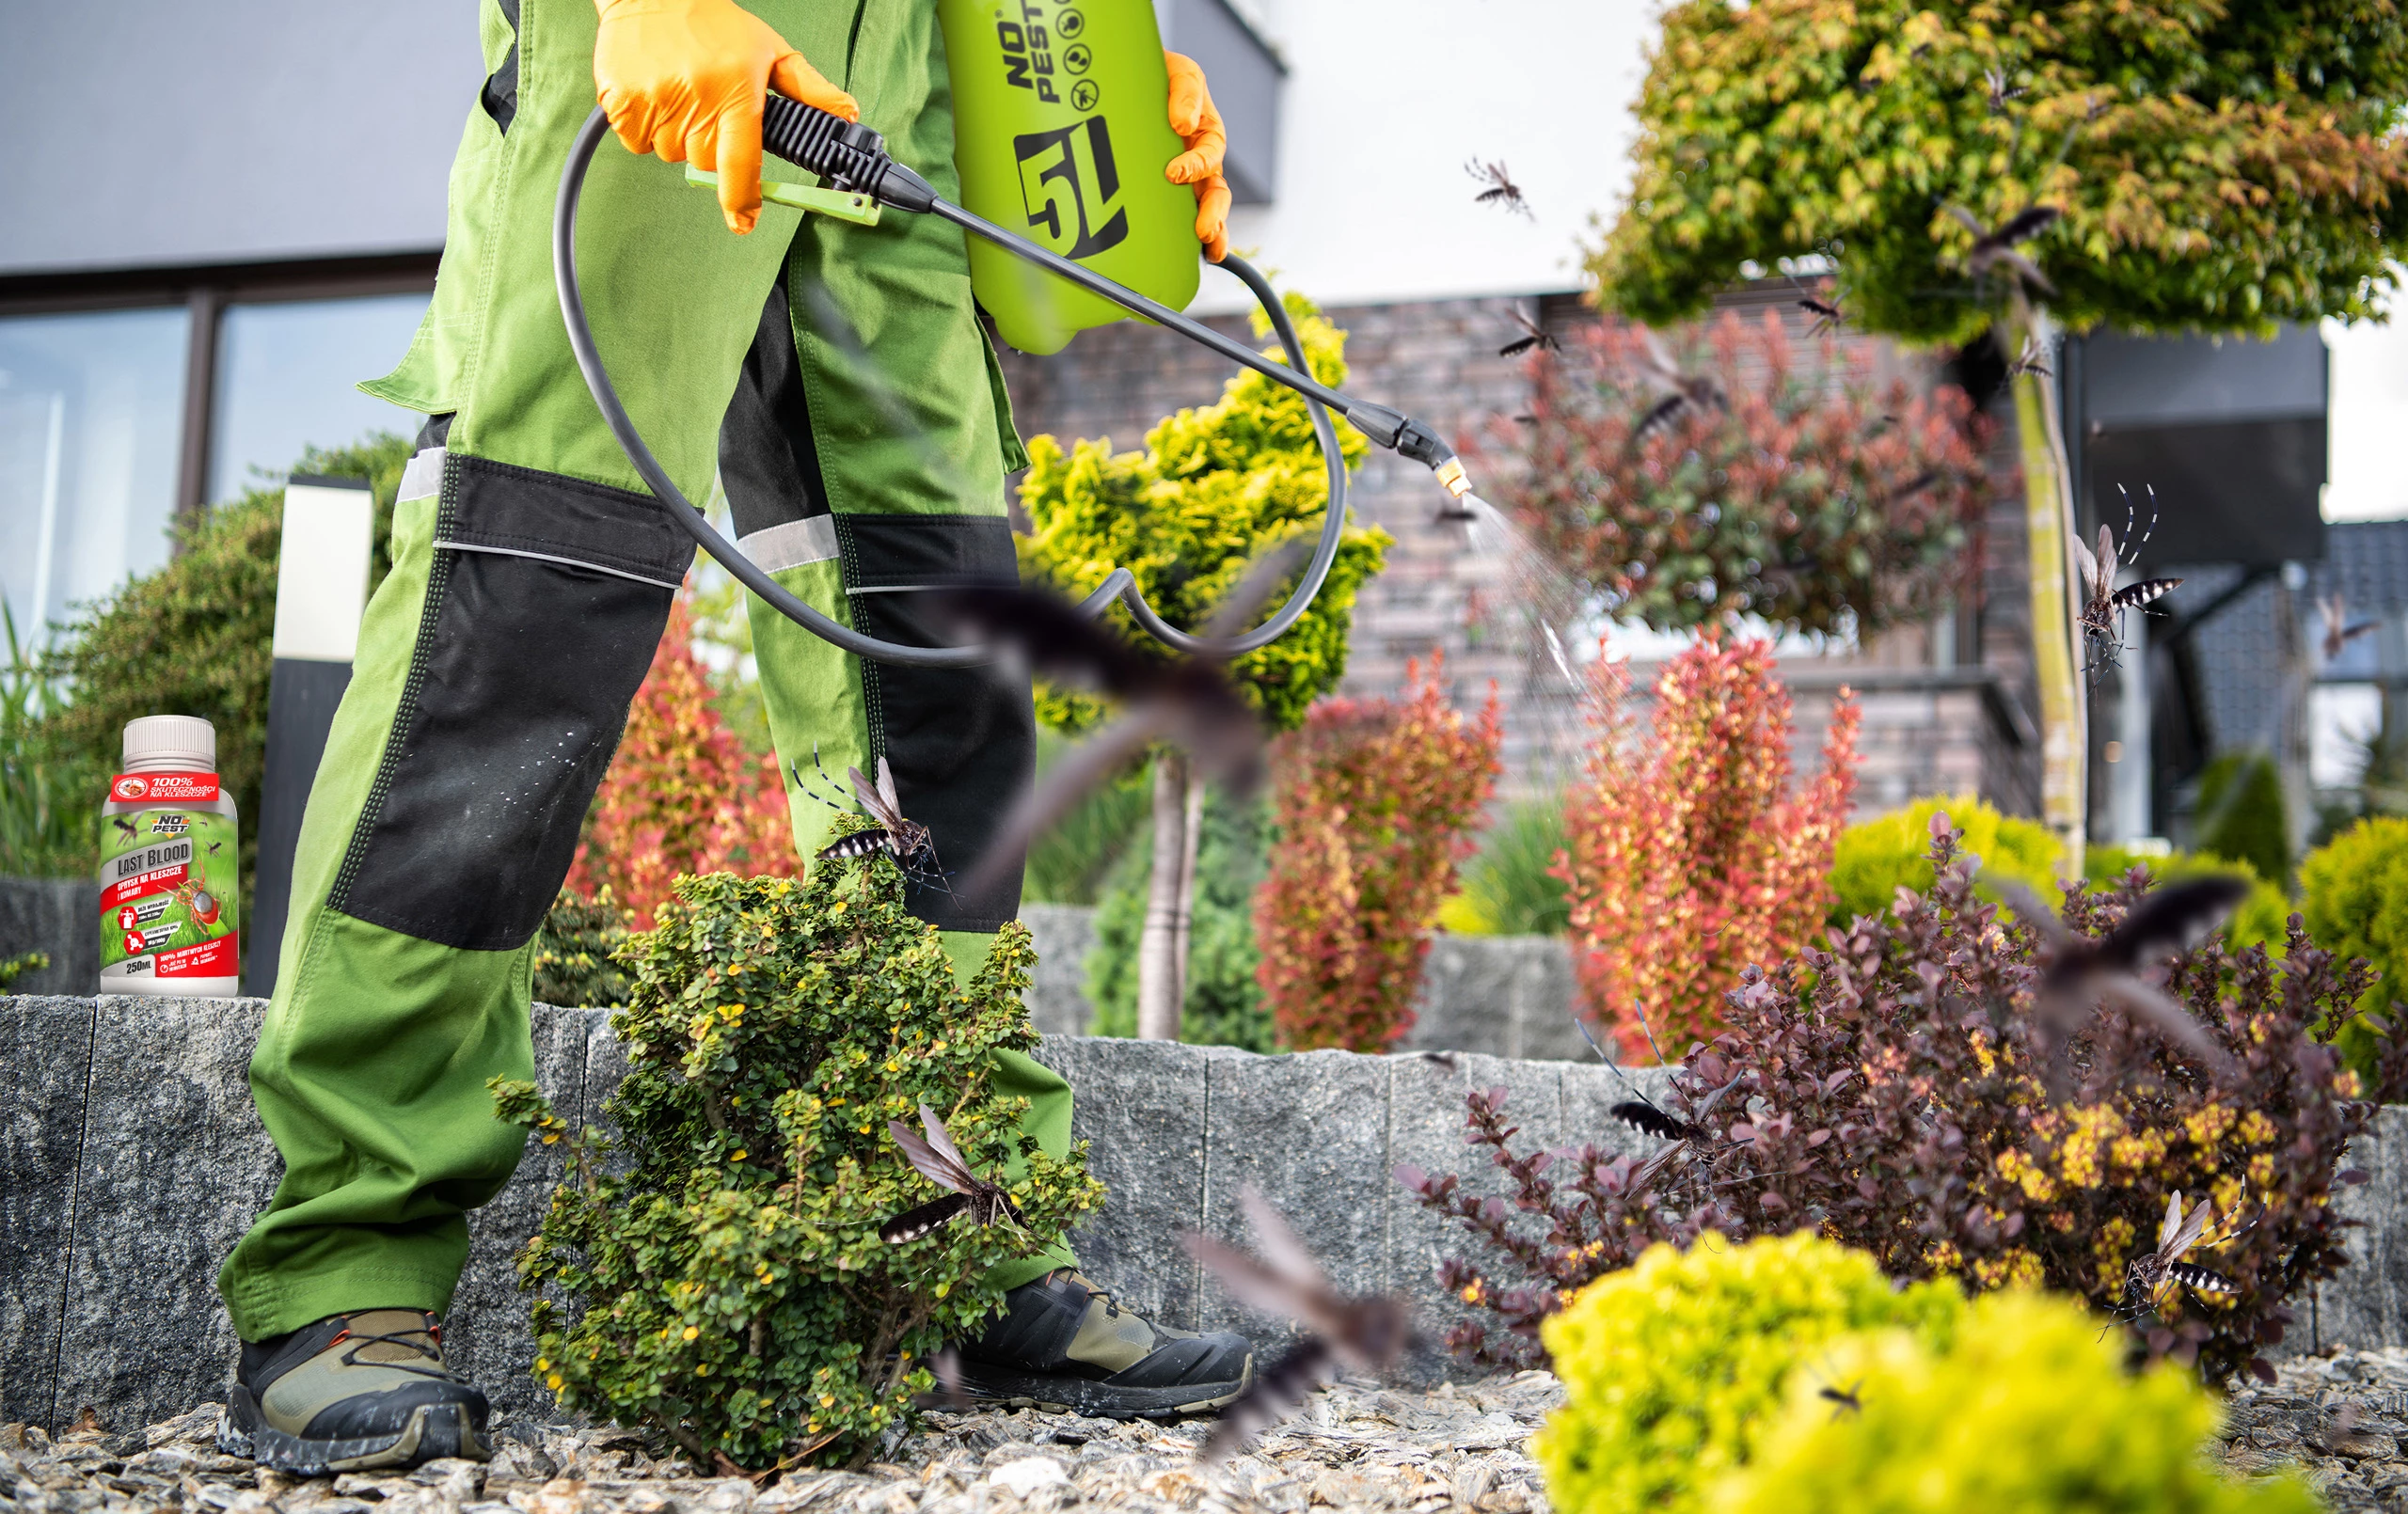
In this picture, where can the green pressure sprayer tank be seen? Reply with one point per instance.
(1061, 132)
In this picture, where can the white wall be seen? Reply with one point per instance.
(148, 132)
(2369, 466)
(1386, 99)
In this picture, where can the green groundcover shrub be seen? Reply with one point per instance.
(2029, 1410)
(715, 1272)
(1875, 858)
(2354, 899)
(1673, 1368)
(574, 966)
(1507, 888)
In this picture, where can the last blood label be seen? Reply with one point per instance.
(167, 880)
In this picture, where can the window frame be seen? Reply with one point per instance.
(204, 292)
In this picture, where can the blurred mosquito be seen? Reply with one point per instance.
(1367, 1333)
(2338, 633)
(1501, 190)
(1999, 91)
(1993, 249)
(2033, 359)
(1533, 335)
(1188, 699)
(2084, 972)
(1688, 391)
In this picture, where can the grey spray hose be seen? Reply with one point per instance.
(830, 146)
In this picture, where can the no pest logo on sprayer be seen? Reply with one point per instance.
(1068, 177)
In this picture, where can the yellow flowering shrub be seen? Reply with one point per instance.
(1672, 1367)
(2026, 1410)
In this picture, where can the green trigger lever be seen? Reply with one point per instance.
(845, 205)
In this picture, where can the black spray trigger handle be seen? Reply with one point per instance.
(845, 154)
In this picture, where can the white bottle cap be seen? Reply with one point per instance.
(169, 741)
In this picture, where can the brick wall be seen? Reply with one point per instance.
(1926, 728)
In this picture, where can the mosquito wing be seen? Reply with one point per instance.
(1275, 1393)
(2033, 910)
(886, 787)
(2171, 919)
(2088, 561)
(944, 1171)
(1280, 1245)
(885, 814)
(1248, 1281)
(2186, 1235)
(2172, 1223)
(942, 1139)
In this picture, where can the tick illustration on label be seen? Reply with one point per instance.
(1057, 170)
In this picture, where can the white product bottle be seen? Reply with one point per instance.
(170, 866)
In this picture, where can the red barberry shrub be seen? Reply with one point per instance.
(1808, 497)
(1375, 800)
(682, 794)
(1885, 1092)
(1688, 860)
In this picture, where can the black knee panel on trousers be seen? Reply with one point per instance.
(545, 599)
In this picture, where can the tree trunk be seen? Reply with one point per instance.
(1192, 837)
(2056, 604)
(1158, 943)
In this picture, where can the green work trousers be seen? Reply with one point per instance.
(832, 382)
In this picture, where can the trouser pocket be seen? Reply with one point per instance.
(545, 599)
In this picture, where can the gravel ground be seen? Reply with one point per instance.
(1459, 1449)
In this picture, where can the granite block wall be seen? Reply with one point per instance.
(129, 1162)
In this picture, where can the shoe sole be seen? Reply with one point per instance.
(1000, 1388)
(432, 1431)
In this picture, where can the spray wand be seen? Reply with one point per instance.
(859, 179)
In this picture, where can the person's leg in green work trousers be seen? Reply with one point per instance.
(531, 579)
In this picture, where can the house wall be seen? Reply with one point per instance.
(1935, 721)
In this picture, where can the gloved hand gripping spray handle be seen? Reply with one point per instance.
(851, 157)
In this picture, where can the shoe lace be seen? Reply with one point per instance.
(417, 1340)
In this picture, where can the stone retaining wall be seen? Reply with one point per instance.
(131, 1161)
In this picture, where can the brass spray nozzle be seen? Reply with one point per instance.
(1451, 474)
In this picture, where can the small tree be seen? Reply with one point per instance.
(1213, 489)
(2218, 168)
(1375, 802)
(1692, 861)
(1812, 501)
(682, 794)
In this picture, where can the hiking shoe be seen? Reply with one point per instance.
(1062, 1344)
(352, 1393)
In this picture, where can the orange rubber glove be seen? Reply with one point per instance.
(686, 78)
(1198, 125)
